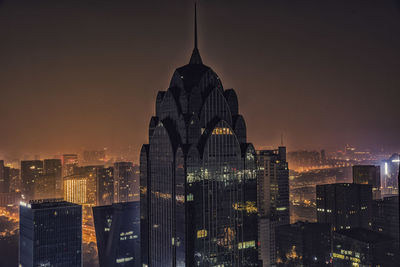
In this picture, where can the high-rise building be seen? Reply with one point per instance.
(5, 178)
(386, 216)
(345, 205)
(105, 186)
(50, 234)
(273, 200)
(75, 189)
(126, 182)
(198, 176)
(118, 234)
(362, 247)
(69, 163)
(53, 169)
(368, 174)
(303, 244)
(31, 172)
(389, 172)
(15, 180)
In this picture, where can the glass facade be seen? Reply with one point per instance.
(50, 234)
(198, 183)
(118, 234)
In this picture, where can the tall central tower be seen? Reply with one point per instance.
(198, 175)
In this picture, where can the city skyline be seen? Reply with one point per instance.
(128, 132)
(85, 77)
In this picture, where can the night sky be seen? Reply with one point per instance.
(85, 74)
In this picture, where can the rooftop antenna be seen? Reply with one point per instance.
(195, 58)
(195, 24)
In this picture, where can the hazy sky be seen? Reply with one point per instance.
(85, 74)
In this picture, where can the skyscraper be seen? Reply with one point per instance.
(273, 200)
(5, 178)
(69, 162)
(198, 175)
(368, 174)
(53, 169)
(31, 171)
(50, 234)
(344, 205)
(105, 186)
(390, 169)
(126, 182)
(118, 234)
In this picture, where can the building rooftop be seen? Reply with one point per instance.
(364, 235)
(47, 203)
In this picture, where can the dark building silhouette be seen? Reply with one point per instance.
(362, 247)
(31, 172)
(344, 205)
(118, 234)
(368, 174)
(5, 178)
(198, 176)
(50, 234)
(303, 244)
(53, 169)
(105, 186)
(386, 216)
(273, 199)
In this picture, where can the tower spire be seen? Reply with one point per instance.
(195, 25)
(195, 58)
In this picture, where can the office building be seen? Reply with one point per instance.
(368, 174)
(389, 170)
(344, 205)
(386, 216)
(31, 172)
(273, 200)
(362, 247)
(69, 163)
(4, 178)
(126, 182)
(118, 234)
(50, 234)
(105, 186)
(303, 244)
(75, 189)
(198, 176)
(53, 169)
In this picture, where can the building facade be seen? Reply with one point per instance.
(361, 247)
(368, 174)
(31, 172)
(386, 216)
(344, 205)
(50, 234)
(118, 234)
(303, 244)
(105, 186)
(198, 176)
(53, 169)
(126, 182)
(273, 200)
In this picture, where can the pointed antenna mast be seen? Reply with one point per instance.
(195, 24)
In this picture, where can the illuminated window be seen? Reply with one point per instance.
(201, 233)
